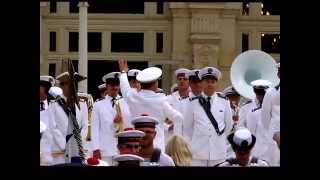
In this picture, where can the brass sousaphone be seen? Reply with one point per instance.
(249, 66)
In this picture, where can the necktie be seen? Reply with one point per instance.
(208, 102)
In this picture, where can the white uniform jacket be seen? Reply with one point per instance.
(182, 128)
(103, 128)
(154, 104)
(206, 144)
(60, 124)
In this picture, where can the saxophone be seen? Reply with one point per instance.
(119, 126)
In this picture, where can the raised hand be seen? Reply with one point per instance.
(123, 65)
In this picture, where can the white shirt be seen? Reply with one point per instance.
(46, 139)
(205, 142)
(244, 111)
(267, 104)
(103, 128)
(164, 160)
(154, 104)
(182, 128)
(265, 147)
(59, 119)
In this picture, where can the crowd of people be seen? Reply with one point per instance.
(134, 123)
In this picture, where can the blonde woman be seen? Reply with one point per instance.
(179, 150)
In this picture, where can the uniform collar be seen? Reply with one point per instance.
(212, 97)
(147, 92)
(110, 98)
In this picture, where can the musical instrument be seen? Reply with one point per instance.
(89, 101)
(119, 126)
(249, 66)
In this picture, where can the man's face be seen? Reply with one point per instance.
(150, 134)
(209, 85)
(182, 82)
(129, 148)
(242, 156)
(196, 86)
(64, 85)
(135, 84)
(113, 89)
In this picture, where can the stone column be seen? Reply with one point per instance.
(83, 44)
(181, 46)
(44, 11)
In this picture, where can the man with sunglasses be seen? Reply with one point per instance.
(151, 154)
(59, 118)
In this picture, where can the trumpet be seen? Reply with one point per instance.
(119, 126)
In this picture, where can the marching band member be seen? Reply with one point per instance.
(266, 111)
(251, 104)
(46, 141)
(151, 154)
(180, 99)
(234, 98)
(132, 77)
(265, 147)
(211, 117)
(59, 118)
(106, 118)
(242, 142)
(147, 100)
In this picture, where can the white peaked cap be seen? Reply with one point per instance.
(149, 75)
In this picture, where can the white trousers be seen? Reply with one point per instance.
(206, 163)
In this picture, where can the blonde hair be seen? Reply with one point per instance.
(178, 149)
